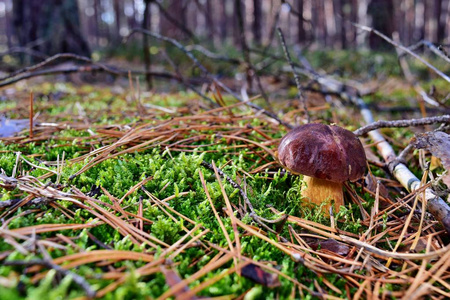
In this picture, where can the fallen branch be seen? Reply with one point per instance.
(82, 69)
(402, 123)
(206, 72)
(300, 95)
(259, 220)
(397, 45)
(79, 280)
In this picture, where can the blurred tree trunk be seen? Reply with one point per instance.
(209, 20)
(118, 10)
(223, 21)
(440, 30)
(146, 50)
(172, 18)
(238, 5)
(341, 25)
(382, 12)
(301, 33)
(50, 27)
(97, 22)
(256, 26)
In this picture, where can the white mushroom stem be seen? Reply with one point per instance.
(318, 190)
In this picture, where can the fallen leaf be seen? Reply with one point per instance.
(172, 278)
(258, 275)
(371, 185)
(438, 144)
(332, 246)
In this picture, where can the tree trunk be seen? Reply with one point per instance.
(145, 46)
(301, 33)
(256, 26)
(50, 27)
(382, 12)
(118, 9)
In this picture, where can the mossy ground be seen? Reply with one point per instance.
(94, 117)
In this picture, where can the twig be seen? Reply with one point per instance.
(246, 54)
(81, 281)
(213, 55)
(35, 201)
(390, 41)
(297, 79)
(402, 123)
(79, 69)
(436, 50)
(206, 72)
(57, 57)
(409, 76)
(174, 21)
(252, 213)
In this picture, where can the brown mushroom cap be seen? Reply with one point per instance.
(326, 152)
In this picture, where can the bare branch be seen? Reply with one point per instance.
(81, 281)
(297, 79)
(402, 123)
(390, 41)
(207, 73)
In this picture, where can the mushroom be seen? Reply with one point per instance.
(327, 156)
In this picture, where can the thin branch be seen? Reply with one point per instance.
(33, 202)
(81, 281)
(297, 79)
(390, 41)
(206, 72)
(259, 220)
(250, 69)
(402, 123)
(58, 57)
(175, 21)
(83, 69)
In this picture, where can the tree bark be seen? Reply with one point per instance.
(145, 45)
(301, 33)
(382, 12)
(256, 26)
(50, 27)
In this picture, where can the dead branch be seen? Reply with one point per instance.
(246, 54)
(259, 220)
(397, 45)
(409, 76)
(58, 57)
(213, 55)
(174, 21)
(402, 123)
(207, 73)
(79, 280)
(34, 202)
(301, 97)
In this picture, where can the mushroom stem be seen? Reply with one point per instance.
(318, 190)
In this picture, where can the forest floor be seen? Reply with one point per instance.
(121, 193)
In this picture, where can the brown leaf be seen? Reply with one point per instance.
(172, 278)
(438, 143)
(332, 246)
(371, 185)
(258, 275)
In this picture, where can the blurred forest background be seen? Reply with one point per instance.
(37, 29)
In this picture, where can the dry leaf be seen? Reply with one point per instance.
(438, 144)
(258, 275)
(332, 246)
